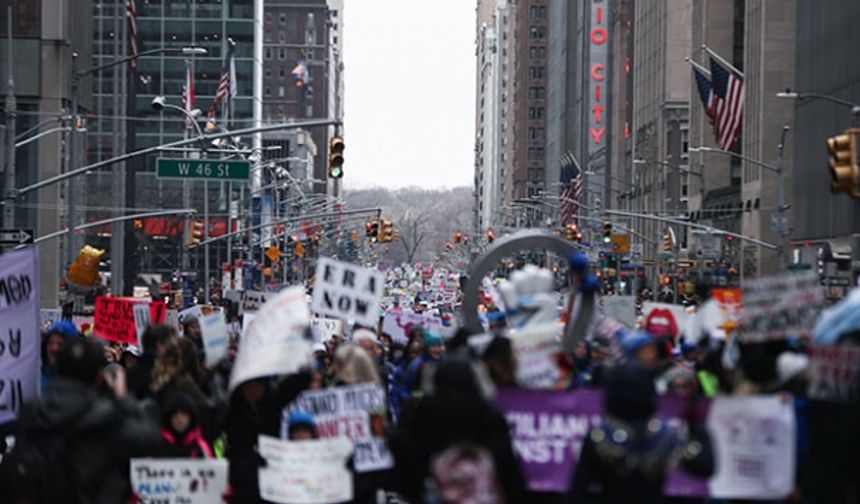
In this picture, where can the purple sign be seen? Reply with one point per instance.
(548, 428)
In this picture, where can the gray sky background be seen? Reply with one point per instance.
(410, 93)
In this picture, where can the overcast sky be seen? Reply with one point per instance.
(410, 93)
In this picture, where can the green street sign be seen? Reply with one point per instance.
(203, 169)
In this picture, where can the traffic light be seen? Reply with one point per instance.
(196, 233)
(335, 157)
(844, 172)
(138, 224)
(395, 234)
(353, 236)
(386, 232)
(667, 280)
(607, 231)
(668, 246)
(491, 236)
(571, 232)
(373, 230)
(458, 237)
(449, 246)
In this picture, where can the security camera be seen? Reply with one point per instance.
(158, 102)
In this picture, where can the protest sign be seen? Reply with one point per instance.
(325, 329)
(536, 350)
(114, 318)
(780, 307)
(192, 312)
(664, 319)
(141, 321)
(213, 331)
(19, 330)
(48, 316)
(754, 439)
(171, 319)
(274, 342)
(396, 322)
(347, 292)
(178, 480)
(357, 412)
(253, 300)
(305, 472)
(621, 308)
(835, 372)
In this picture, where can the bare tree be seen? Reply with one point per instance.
(412, 233)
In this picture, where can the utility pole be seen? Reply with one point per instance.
(9, 208)
(73, 160)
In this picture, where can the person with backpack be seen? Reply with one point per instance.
(73, 444)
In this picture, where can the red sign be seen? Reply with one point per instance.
(114, 318)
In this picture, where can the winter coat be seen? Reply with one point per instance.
(191, 445)
(100, 434)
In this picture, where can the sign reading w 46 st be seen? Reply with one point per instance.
(205, 169)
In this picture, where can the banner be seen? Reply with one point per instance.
(305, 472)
(780, 307)
(835, 372)
(114, 318)
(325, 329)
(754, 440)
(357, 412)
(274, 342)
(536, 351)
(213, 331)
(621, 308)
(19, 330)
(395, 323)
(179, 480)
(348, 292)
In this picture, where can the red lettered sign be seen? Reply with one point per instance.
(114, 318)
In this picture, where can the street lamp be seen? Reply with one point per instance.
(788, 94)
(159, 103)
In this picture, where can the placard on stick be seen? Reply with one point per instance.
(348, 292)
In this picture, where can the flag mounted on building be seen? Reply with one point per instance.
(706, 91)
(300, 74)
(189, 100)
(226, 85)
(131, 17)
(570, 178)
(728, 89)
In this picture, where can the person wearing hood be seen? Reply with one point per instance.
(154, 339)
(57, 334)
(85, 421)
(181, 436)
(625, 459)
(434, 351)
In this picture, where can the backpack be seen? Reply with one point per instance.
(38, 472)
(465, 474)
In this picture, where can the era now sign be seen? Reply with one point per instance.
(348, 292)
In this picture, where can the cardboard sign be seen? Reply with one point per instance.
(396, 322)
(780, 307)
(325, 329)
(274, 342)
(357, 412)
(754, 439)
(621, 308)
(114, 318)
(252, 301)
(48, 316)
(19, 330)
(664, 319)
(141, 321)
(213, 331)
(305, 472)
(835, 372)
(179, 480)
(348, 292)
(536, 351)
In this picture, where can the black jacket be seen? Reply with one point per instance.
(100, 434)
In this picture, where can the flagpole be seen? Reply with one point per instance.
(698, 67)
(722, 61)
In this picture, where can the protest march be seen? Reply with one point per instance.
(369, 386)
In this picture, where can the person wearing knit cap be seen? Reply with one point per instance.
(434, 351)
(301, 426)
(641, 347)
(58, 333)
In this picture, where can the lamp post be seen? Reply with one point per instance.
(788, 94)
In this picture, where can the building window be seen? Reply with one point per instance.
(536, 133)
(282, 73)
(281, 92)
(537, 93)
(537, 32)
(542, 11)
(536, 112)
(268, 73)
(267, 37)
(268, 91)
(282, 36)
(268, 53)
(268, 17)
(537, 52)
(282, 53)
(537, 72)
(283, 18)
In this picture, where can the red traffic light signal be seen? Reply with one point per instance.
(491, 236)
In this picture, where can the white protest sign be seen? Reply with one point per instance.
(19, 330)
(274, 342)
(247, 318)
(325, 329)
(252, 301)
(305, 472)
(48, 316)
(213, 331)
(171, 319)
(142, 320)
(621, 308)
(780, 307)
(357, 412)
(536, 350)
(754, 438)
(395, 323)
(179, 480)
(192, 312)
(348, 292)
(835, 372)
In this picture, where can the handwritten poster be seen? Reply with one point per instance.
(305, 472)
(536, 351)
(179, 480)
(348, 292)
(114, 318)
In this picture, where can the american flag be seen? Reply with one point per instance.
(227, 84)
(706, 92)
(728, 91)
(571, 188)
(188, 97)
(131, 17)
(300, 74)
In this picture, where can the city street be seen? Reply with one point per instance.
(429, 251)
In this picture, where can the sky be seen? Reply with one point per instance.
(410, 93)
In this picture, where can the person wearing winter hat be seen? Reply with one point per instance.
(639, 346)
(301, 426)
(434, 351)
(58, 333)
(180, 430)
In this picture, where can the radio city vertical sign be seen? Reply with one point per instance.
(598, 86)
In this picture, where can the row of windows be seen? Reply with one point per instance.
(536, 153)
(536, 133)
(537, 11)
(537, 32)
(537, 52)
(537, 72)
(282, 53)
(536, 112)
(537, 93)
